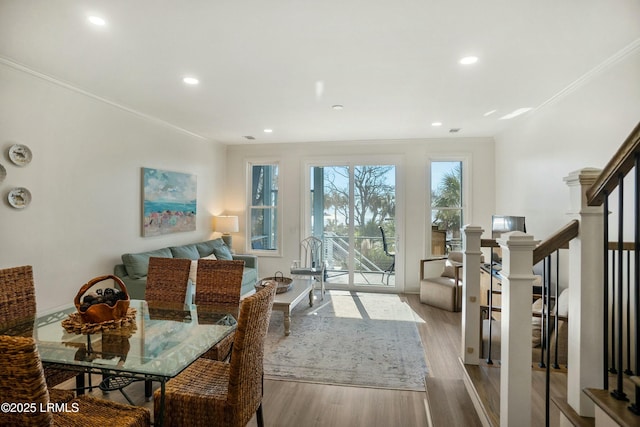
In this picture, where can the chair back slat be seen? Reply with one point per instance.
(219, 282)
(17, 296)
(22, 381)
(311, 252)
(167, 279)
(246, 370)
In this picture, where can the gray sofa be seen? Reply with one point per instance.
(134, 267)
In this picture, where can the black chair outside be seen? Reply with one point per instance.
(385, 246)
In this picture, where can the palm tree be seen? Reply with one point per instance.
(448, 197)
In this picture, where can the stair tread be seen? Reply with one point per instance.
(572, 415)
(618, 410)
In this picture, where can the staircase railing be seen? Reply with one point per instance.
(619, 289)
(549, 315)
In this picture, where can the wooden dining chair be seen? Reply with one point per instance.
(167, 279)
(22, 381)
(18, 307)
(213, 393)
(218, 284)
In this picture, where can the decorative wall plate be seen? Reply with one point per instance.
(20, 154)
(19, 197)
(3, 173)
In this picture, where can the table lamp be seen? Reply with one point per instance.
(226, 224)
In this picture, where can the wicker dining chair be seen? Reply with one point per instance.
(22, 381)
(212, 393)
(167, 279)
(219, 283)
(18, 307)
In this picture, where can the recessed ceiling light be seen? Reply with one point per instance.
(96, 20)
(191, 81)
(319, 89)
(337, 107)
(515, 113)
(435, 124)
(468, 60)
(268, 130)
(488, 113)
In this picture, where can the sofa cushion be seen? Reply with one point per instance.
(249, 276)
(562, 307)
(536, 324)
(193, 271)
(453, 260)
(206, 248)
(137, 265)
(223, 252)
(185, 251)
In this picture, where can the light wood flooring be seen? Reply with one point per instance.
(288, 403)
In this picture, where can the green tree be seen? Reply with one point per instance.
(448, 197)
(374, 197)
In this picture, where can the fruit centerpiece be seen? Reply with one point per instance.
(104, 304)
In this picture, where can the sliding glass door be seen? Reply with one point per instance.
(350, 206)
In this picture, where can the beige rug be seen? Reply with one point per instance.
(358, 339)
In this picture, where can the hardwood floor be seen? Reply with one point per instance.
(288, 403)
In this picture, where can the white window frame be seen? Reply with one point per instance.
(465, 159)
(277, 252)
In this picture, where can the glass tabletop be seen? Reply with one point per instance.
(161, 342)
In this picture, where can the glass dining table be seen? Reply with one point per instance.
(158, 343)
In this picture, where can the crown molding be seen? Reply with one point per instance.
(69, 86)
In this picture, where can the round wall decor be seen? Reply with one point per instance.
(20, 154)
(19, 197)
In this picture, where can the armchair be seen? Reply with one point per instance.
(444, 291)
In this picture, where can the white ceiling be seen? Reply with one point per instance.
(392, 64)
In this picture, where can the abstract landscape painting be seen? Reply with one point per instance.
(169, 202)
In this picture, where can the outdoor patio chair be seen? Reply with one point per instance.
(385, 246)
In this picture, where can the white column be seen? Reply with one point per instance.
(515, 372)
(586, 313)
(470, 348)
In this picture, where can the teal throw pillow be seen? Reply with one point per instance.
(185, 251)
(137, 265)
(223, 252)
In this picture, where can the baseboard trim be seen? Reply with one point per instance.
(475, 398)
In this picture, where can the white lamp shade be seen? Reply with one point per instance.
(225, 224)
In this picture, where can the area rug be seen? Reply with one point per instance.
(357, 339)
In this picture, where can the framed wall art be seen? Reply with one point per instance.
(168, 202)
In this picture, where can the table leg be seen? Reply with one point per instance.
(160, 419)
(287, 322)
(311, 297)
(80, 384)
(148, 390)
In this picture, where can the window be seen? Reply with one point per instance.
(446, 206)
(263, 208)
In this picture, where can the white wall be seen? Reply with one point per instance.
(582, 129)
(85, 179)
(413, 178)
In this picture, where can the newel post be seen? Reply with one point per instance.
(584, 357)
(517, 292)
(470, 348)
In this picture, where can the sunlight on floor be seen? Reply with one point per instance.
(364, 305)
